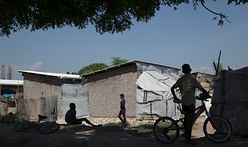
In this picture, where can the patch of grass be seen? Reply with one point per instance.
(141, 130)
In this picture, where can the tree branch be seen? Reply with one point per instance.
(221, 15)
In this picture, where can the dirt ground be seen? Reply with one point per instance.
(106, 136)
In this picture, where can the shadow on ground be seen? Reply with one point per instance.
(109, 135)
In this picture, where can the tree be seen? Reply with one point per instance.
(92, 67)
(106, 15)
(118, 60)
(99, 66)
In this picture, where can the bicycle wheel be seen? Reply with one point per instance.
(166, 130)
(217, 129)
(48, 127)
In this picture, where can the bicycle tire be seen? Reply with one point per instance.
(217, 129)
(48, 127)
(166, 130)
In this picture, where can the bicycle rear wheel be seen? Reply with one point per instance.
(166, 130)
(217, 129)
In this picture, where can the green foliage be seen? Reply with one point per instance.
(99, 66)
(118, 60)
(106, 15)
(111, 16)
(92, 67)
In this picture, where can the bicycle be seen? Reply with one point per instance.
(44, 127)
(216, 128)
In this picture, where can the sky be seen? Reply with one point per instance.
(171, 38)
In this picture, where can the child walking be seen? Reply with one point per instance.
(122, 112)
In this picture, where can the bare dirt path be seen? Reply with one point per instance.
(96, 137)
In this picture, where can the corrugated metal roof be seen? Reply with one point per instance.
(59, 75)
(11, 82)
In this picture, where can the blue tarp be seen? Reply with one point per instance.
(8, 96)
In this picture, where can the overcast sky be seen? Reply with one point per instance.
(170, 38)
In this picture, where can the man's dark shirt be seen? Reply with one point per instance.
(70, 116)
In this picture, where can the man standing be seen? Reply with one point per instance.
(122, 112)
(187, 85)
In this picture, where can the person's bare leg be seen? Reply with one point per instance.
(90, 123)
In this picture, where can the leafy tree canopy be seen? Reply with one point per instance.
(92, 67)
(118, 60)
(99, 66)
(106, 15)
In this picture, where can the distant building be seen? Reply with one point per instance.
(11, 87)
(6, 72)
(10, 91)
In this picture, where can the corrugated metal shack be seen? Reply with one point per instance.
(49, 94)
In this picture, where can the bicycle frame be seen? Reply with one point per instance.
(198, 111)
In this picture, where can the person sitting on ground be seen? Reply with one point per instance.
(70, 117)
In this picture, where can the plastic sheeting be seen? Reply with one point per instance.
(149, 82)
(153, 94)
(78, 94)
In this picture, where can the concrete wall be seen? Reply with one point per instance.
(104, 99)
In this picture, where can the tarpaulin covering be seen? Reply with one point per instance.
(78, 94)
(153, 94)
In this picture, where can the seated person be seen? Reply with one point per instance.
(70, 117)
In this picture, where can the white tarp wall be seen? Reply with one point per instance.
(153, 95)
(78, 94)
